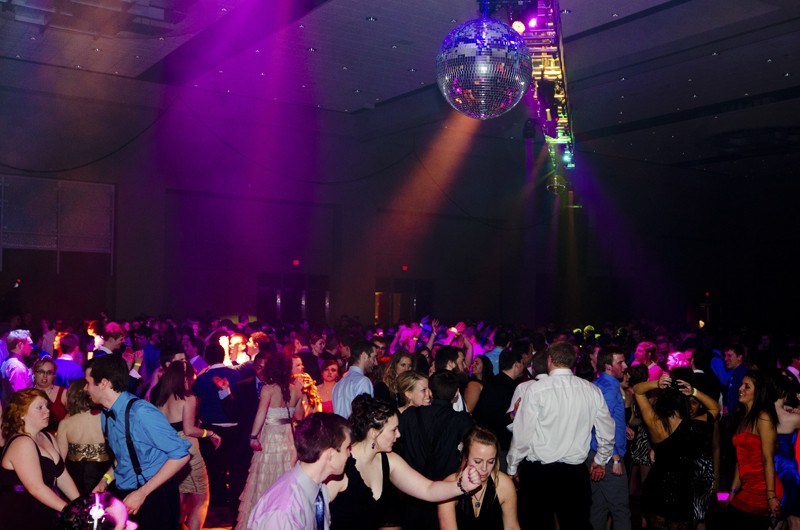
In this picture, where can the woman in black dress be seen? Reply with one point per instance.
(366, 497)
(494, 504)
(31, 466)
(668, 497)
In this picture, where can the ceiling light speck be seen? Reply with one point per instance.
(97, 49)
(224, 9)
(566, 11)
(714, 54)
(220, 72)
(76, 66)
(263, 74)
(371, 19)
(344, 68)
(161, 38)
(622, 79)
(614, 15)
(356, 91)
(394, 46)
(302, 26)
(453, 21)
(311, 49)
(769, 60)
(412, 69)
(258, 51)
(33, 37)
(787, 74)
(137, 57)
(694, 96)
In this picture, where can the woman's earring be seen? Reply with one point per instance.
(373, 444)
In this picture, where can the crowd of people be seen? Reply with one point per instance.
(149, 422)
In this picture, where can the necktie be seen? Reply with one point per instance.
(259, 386)
(319, 511)
(109, 414)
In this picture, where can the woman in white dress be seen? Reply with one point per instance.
(271, 436)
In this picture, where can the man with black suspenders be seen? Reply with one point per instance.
(148, 452)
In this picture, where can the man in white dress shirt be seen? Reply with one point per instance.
(299, 500)
(551, 437)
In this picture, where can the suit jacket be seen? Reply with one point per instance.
(241, 406)
(311, 365)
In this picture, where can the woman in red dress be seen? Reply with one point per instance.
(755, 491)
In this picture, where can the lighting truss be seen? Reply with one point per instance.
(551, 110)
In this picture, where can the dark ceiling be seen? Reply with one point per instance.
(704, 84)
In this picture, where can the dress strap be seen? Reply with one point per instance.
(14, 437)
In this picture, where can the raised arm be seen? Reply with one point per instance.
(710, 404)
(410, 482)
(645, 407)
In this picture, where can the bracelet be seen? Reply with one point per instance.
(694, 392)
(733, 491)
(205, 433)
(254, 437)
(109, 478)
(773, 497)
(461, 486)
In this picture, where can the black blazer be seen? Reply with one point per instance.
(241, 406)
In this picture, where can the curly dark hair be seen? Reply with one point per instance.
(369, 413)
(83, 511)
(278, 371)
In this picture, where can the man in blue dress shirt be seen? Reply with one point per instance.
(150, 495)
(355, 382)
(610, 494)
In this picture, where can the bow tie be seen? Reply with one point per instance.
(109, 414)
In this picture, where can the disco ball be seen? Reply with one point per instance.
(483, 68)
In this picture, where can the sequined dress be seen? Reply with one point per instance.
(277, 456)
(665, 491)
(86, 464)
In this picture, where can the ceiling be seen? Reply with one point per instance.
(704, 84)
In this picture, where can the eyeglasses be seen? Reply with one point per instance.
(45, 372)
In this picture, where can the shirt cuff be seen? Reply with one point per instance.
(135, 373)
(225, 392)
